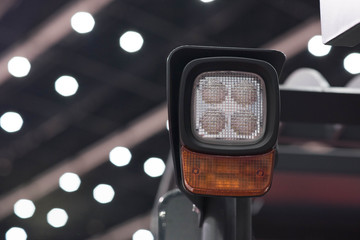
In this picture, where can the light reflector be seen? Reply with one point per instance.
(229, 107)
(227, 175)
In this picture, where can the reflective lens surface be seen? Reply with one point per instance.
(229, 107)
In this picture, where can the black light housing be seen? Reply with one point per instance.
(188, 63)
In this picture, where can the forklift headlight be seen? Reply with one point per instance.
(224, 117)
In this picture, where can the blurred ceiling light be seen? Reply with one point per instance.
(103, 193)
(120, 156)
(69, 182)
(24, 208)
(57, 217)
(131, 41)
(66, 86)
(317, 48)
(154, 167)
(142, 234)
(206, 1)
(82, 22)
(306, 78)
(15, 233)
(19, 66)
(11, 122)
(352, 63)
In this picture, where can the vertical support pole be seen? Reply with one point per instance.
(227, 219)
(243, 219)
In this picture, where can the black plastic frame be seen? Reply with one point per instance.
(259, 67)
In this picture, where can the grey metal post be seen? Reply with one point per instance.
(227, 219)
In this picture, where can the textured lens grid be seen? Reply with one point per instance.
(228, 106)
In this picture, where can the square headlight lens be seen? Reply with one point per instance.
(228, 107)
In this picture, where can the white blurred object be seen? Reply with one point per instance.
(306, 78)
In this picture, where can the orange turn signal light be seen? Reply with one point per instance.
(227, 175)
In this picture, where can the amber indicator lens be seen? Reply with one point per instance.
(228, 107)
(227, 175)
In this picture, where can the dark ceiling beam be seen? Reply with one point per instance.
(115, 77)
(88, 159)
(124, 231)
(50, 33)
(55, 125)
(6, 5)
(298, 9)
(296, 40)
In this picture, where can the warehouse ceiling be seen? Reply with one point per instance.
(121, 101)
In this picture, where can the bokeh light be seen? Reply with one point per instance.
(69, 182)
(24, 208)
(154, 167)
(19, 66)
(103, 193)
(352, 63)
(317, 48)
(131, 41)
(11, 122)
(120, 156)
(82, 22)
(15, 233)
(66, 86)
(142, 234)
(57, 217)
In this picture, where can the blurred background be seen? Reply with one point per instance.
(83, 138)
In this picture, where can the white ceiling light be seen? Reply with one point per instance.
(206, 1)
(11, 122)
(352, 63)
(57, 217)
(103, 193)
(120, 156)
(317, 48)
(154, 167)
(66, 86)
(131, 41)
(19, 66)
(142, 234)
(24, 208)
(16, 233)
(69, 182)
(82, 22)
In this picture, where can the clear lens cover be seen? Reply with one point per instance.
(228, 107)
